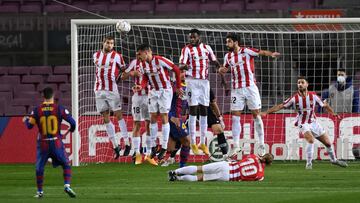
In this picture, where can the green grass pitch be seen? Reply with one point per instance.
(284, 182)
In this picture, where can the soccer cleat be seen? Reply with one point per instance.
(70, 192)
(308, 166)
(127, 150)
(204, 148)
(150, 160)
(39, 194)
(138, 159)
(168, 162)
(161, 154)
(194, 149)
(172, 176)
(340, 163)
(261, 150)
(117, 152)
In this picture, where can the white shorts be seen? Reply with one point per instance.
(107, 100)
(197, 92)
(315, 128)
(250, 95)
(216, 171)
(140, 107)
(160, 100)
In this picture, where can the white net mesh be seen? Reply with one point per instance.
(314, 51)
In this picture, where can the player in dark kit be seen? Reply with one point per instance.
(48, 117)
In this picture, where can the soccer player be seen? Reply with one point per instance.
(195, 58)
(304, 103)
(48, 117)
(250, 168)
(140, 111)
(178, 130)
(161, 91)
(240, 61)
(108, 64)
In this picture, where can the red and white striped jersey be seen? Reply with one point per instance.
(197, 58)
(107, 70)
(157, 73)
(242, 67)
(137, 65)
(305, 106)
(248, 169)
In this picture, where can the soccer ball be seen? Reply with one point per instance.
(123, 26)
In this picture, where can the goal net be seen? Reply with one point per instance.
(314, 48)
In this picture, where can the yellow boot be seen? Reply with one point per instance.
(195, 149)
(138, 159)
(150, 160)
(204, 148)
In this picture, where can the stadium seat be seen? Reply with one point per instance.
(166, 6)
(24, 87)
(123, 6)
(62, 70)
(143, 6)
(65, 87)
(54, 8)
(99, 6)
(7, 96)
(304, 4)
(32, 79)
(57, 79)
(31, 7)
(279, 5)
(10, 79)
(4, 70)
(20, 70)
(189, 6)
(2, 106)
(210, 6)
(15, 111)
(257, 5)
(78, 4)
(233, 5)
(27, 94)
(41, 70)
(6, 88)
(24, 102)
(9, 7)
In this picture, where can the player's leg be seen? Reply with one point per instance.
(204, 101)
(254, 103)
(124, 131)
(193, 112)
(324, 138)
(136, 141)
(203, 111)
(237, 106)
(150, 145)
(165, 134)
(219, 132)
(185, 150)
(309, 149)
(110, 130)
(172, 149)
(41, 159)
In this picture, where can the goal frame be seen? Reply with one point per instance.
(244, 21)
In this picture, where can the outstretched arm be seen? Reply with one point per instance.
(269, 53)
(273, 109)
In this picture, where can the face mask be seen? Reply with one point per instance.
(341, 79)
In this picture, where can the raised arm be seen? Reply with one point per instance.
(269, 53)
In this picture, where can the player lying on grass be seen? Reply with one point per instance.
(304, 103)
(250, 168)
(48, 117)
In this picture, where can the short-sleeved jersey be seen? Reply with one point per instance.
(248, 169)
(48, 118)
(197, 59)
(157, 73)
(137, 65)
(179, 106)
(108, 66)
(305, 107)
(242, 67)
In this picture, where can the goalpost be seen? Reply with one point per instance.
(315, 48)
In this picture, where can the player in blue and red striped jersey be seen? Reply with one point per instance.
(48, 117)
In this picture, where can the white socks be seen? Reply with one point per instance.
(236, 130)
(124, 132)
(153, 132)
(331, 154)
(309, 153)
(110, 129)
(148, 144)
(259, 127)
(187, 170)
(136, 144)
(192, 128)
(191, 178)
(165, 135)
(203, 129)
